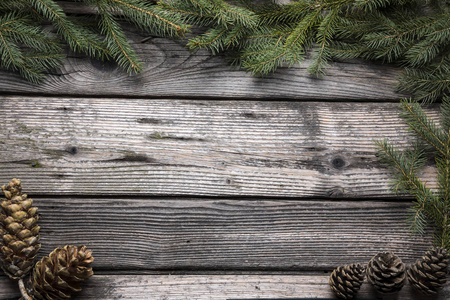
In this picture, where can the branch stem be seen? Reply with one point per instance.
(23, 290)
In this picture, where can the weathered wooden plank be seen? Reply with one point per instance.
(259, 235)
(213, 148)
(171, 70)
(223, 287)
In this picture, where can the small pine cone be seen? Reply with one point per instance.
(386, 272)
(429, 274)
(19, 231)
(61, 273)
(345, 281)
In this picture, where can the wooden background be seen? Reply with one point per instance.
(195, 180)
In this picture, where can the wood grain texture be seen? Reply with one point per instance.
(225, 287)
(66, 146)
(155, 235)
(171, 70)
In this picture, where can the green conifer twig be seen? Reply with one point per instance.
(410, 33)
(260, 37)
(430, 207)
(27, 48)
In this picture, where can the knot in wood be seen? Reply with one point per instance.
(338, 163)
(72, 150)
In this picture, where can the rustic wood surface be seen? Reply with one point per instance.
(171, 70)
(141, 147)
(195, 180)
(218, 287)
(152, 234)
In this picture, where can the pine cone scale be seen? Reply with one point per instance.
(13, 227)
(31, 240)
(17, 246)
(345, 281)
(62, 272)
(429, 274)
(19, 231)
(386, 272)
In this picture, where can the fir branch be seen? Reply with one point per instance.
(273, 13)
(25, 48)
(427, 50)
(445, 114)
(405, 166)
(262, 36)
(302, 33)
(287, 48)
(324, 35)
(234, 15)
(425, 128)
(29, 50)
(13, 5)
(427, 85)
(395, 31)
(149, 17)
(443, 169)
(28, 35)
(10, 53)
(78, 38)
(268, 57)
(249, 4)
(229, 24)
(430, 208)
(187, 14)
(385, 40)
(372, 5)
(42, 61)
(212, 40)
(117, 44)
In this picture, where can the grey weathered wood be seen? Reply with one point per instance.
(116, 153)
(170, 70)
(214, 148)
(223, 287)
(253, 235)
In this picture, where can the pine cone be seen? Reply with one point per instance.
(386, 272)
(61, 273)
(429, 274)
(19, 231)
(345, 281)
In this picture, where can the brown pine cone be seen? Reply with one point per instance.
(429, 274)
(386, 272)
(61, 273)
(19, 231)
(345, 281)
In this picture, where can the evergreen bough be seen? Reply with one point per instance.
(431, 206)
(412, 33)
(259, 35)
(27, 47)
